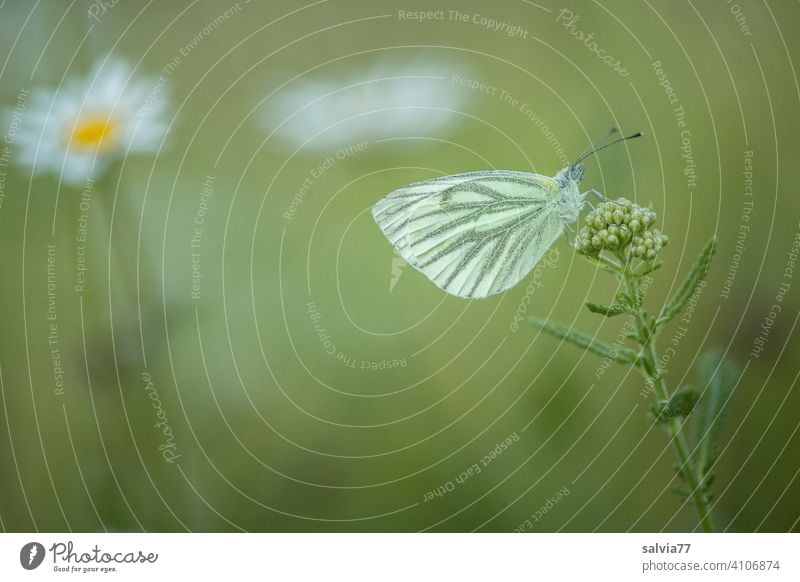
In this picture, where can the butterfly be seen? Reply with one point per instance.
(480, 233)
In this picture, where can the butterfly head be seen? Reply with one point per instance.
(570, 175)
(574, 172)
(569, 178)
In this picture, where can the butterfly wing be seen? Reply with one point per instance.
(473, 234)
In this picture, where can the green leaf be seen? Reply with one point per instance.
(717, 378)
(580, 339)
(647, 268)
(680, 404)
(684, 292)
(603, 265)
(639, 299)
(608, 311)
(680, 492)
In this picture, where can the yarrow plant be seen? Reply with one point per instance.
(615, 225)
(620, 237)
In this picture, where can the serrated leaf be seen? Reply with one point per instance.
(598, 263)
(696, 274)
(582, 340)
(681, 403)
(717, 378)
(647, 268)
(607, 310)
(639, 299)
(623, 298)
(680, 492)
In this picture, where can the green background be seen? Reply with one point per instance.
(274, 433)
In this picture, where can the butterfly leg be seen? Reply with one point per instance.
(571, 234)
(599, 195)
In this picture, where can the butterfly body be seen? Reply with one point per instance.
(480, 233)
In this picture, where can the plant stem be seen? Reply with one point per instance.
(653, 373)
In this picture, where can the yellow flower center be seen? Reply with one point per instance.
(92, 132)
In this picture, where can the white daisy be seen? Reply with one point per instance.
(77, 130)
(389, 99)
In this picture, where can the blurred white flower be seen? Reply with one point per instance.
(390, 99)
(77, 130)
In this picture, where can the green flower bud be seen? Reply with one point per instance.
(620, 226)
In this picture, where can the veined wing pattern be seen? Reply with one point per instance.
(473, 234)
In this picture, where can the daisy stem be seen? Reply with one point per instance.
(123, 286)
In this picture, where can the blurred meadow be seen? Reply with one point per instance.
(204, 329)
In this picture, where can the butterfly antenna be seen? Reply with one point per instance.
(616, 141)
(597, 143)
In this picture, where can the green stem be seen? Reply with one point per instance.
(652, 372)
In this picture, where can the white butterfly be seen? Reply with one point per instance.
(479, 233)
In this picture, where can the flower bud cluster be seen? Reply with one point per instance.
(617, 225)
